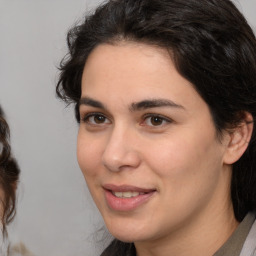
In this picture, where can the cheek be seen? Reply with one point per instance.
(88, 155)
(189, 174)
(190, 158)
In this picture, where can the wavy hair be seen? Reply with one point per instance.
(9, 173)
(211, 45)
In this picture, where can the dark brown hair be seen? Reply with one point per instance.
(212, 46)
(9, 173)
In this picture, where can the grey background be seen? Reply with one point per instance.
(55, 214)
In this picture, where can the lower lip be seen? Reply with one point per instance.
(126, 204)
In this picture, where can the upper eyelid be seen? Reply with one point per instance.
(85, 109)
(85, 116)
(87, 113)
(91, 111)
(157, 115)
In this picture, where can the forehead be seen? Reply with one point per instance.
(130, 71)
(126, 59)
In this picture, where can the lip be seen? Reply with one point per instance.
(126, 204)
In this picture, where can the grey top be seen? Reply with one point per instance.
(235, 243)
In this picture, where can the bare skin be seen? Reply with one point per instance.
(152, 139)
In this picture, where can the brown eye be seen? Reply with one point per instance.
(96, 119)
(153, 120)
(156, 120)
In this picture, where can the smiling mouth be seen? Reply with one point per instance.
(128, 194)
(127, 191)
(125, 198)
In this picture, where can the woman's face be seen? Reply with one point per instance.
(147, 145)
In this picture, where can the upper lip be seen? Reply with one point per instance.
(127, 188)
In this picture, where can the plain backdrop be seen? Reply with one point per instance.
(55, 214)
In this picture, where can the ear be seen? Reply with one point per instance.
(239, 139)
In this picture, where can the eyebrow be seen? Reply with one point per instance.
(154, 103)
(136, 106)
(91, 102)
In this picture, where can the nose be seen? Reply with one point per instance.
(121, 151)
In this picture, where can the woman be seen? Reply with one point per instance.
(164, 92)
(9, 173)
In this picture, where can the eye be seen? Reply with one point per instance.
(156, 120)
(96, 119)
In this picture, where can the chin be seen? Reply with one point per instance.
(128, 234)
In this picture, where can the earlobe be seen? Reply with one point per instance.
(239, 139)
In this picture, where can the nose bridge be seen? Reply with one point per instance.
(120, 150)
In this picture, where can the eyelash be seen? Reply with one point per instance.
(161, 118)
(86, 118)
(149, 116)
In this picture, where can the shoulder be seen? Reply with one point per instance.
(249, 247)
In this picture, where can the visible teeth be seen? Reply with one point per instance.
(118, 194)
(127, 194)
(130, 194)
